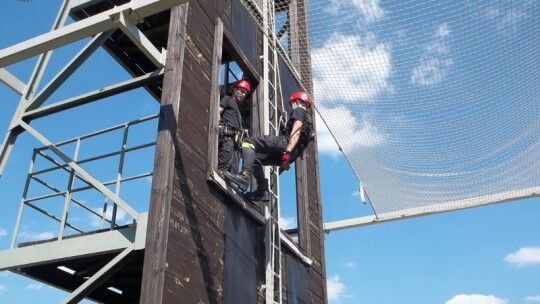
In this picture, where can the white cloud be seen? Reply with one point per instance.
(336, 289)
(492, 12)
(3, 232)
(435, 60)
(533, 298)
(352, 132)
(287, 222)
(326, 143)
(370, 10)
(437, 47)
(431, 71)
(35, 286)
(350, 265)
(2, 288)
(476, 299)
(508, 22)
(524, 256)
(443, 30)
(351, 68)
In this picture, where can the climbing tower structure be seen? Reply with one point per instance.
(198, 239)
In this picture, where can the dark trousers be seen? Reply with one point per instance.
(268, 150)
(228, 155)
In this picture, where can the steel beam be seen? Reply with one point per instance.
(66, 249)
(68, 70)
(141, 41)
(95, 95)
(84, 28)
(434, 209)
(35, 78)
(95, 281)
(12, 82)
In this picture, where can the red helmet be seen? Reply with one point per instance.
(300, 95)
(242, 84)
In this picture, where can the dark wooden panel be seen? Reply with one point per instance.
(315, 287)
(189, 262)
(206, 18)
(180, 291)
(316, 299)
(244, 31)
(197, 247)
(194, 133)
(240, 258)
(302, 204)
(296, 281)
(316, 249)
(197, 189)
(198, 268)
(157, 234)
(193, 121)
(199, 66)
(235, 51)
(186, 212)
(299, 42)
(201, 203)
(189, 137)
(199, 44)
(195, 257)
(212, 8)
(288, 83)
(200, 75)
(213, 115)
(199, 83)
(226, 14)
(314, 225)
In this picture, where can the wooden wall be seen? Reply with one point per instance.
(201, 248)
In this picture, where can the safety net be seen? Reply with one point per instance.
(435, 104)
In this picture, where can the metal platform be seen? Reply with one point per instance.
(105, 265)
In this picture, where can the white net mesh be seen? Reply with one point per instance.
(435, 104)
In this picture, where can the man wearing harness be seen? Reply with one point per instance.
(230, 126)
(266, 150)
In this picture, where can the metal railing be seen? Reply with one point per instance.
(77, 184)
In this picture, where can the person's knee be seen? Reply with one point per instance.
(248, 144)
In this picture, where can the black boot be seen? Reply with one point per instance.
(241, 179)
(260, 195)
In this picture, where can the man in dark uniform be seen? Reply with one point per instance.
(269, 150)
(230, 126)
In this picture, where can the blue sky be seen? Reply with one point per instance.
(487, 255)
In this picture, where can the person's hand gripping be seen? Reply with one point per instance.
(285, 160)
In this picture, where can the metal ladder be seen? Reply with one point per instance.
(272, 95)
